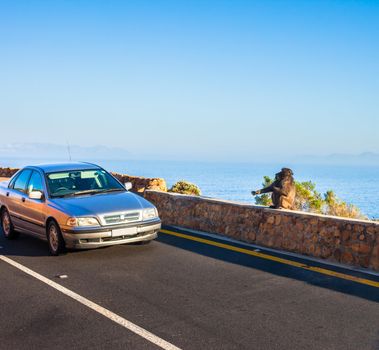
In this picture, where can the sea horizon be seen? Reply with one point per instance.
(354, 184)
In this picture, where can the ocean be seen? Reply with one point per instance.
(234, 181)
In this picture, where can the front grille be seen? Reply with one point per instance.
(113, 239)
(122, 218)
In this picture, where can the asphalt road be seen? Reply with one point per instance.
(191, 294)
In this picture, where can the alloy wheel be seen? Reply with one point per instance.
(6, 223)
(53, 238)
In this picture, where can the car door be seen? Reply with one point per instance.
(34, 209)
(16, 197)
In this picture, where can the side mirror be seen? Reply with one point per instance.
(128, 185)
(36, 195)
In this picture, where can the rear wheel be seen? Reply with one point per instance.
(55, 239)
(7, 226)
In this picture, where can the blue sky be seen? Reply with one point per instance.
(220, 80)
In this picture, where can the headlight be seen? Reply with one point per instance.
(150, 213)
(82, 222)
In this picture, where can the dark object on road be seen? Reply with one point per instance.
(283, 190)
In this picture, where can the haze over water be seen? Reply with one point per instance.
(234, 181)
(357, 185)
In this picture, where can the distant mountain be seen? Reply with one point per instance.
(366, 158)
(54, 151)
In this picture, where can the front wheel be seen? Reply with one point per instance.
(55, 239)
(7, 226)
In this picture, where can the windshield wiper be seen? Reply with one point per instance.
(97, 191)
(63, 195)
(84, 192)
(87, 192)
(112, 190)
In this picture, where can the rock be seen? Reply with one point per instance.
(7, 172)
(347, 258)
(313, 221)
(346, 235)
(374, 260)
(361, 248)
(141, 184)
(337, 254)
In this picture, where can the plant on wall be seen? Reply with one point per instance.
(185, 187)
(310, 200)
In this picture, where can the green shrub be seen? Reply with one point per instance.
(310, 200)
(185, 187)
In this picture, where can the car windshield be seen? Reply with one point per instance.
(81, 182)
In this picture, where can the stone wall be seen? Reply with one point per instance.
(7, 172)
(346, 241)
(140, 184)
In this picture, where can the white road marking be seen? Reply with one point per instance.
(99, 309)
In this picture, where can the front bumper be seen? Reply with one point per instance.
(106, 236)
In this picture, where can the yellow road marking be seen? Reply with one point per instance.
(274, 258)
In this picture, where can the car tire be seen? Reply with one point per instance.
(7, 226)
(55, 239)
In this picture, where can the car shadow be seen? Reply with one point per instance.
(310, 277)
(24, 245)
(28, 246)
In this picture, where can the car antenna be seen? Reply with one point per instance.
(68, 150)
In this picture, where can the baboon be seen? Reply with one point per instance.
(283, 190)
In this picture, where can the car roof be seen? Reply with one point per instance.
(55, 167)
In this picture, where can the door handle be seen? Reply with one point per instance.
(23, 199)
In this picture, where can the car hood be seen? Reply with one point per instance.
(99, 204)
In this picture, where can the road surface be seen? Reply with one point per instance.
(189, 290)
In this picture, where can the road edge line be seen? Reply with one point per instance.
(274, 258)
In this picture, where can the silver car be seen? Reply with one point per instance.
(75, 205)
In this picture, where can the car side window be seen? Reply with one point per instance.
(11, 183)
(35, 183)
(22, 180)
